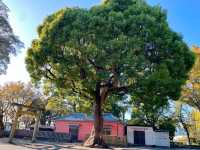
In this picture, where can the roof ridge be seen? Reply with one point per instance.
(79, 116)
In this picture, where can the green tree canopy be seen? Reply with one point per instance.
(109, 49)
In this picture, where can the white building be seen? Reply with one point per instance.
(137, 135)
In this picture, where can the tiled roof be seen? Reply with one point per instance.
(74, 117)
(85, 117)
(109, 117)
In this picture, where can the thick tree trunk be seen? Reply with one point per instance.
(98, 122)
(96, 137)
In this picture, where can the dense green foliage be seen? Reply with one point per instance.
(77, 47)
(149, 117)
(118, 47)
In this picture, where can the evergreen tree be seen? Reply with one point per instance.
(118, 47)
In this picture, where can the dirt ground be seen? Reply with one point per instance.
(27, 145)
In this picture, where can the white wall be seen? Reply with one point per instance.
(130, 137)
(148, 134)
(151, 137)
(162, 139)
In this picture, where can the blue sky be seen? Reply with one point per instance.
(26, 15)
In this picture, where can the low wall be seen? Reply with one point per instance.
(115, 141)
(1, 133)
(42, 135)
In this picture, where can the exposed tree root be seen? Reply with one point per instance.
(95, 142)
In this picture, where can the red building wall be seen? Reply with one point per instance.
(85, 127)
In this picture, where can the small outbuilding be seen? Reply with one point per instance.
(79, 126)
(146, 136)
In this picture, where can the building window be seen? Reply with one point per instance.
(107, 130)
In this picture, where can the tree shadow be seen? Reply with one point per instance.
(49, 146)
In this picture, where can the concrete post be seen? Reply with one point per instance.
(36, 126)
(14, 125)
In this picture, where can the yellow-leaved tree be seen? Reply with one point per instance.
(191, 90)
(195, 126)
(13, 92)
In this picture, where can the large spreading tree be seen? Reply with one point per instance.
(109, 49)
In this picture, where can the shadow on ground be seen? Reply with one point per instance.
(49, 146)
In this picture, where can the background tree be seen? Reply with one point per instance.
(9, 43)
(182, 115)
(168, 124)
(14, 92)
(109, 49)
(194, 128)
(62, 102)
(191, 90)
(160, 117)
(57, 106)
(144, 115)
(118, 105)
